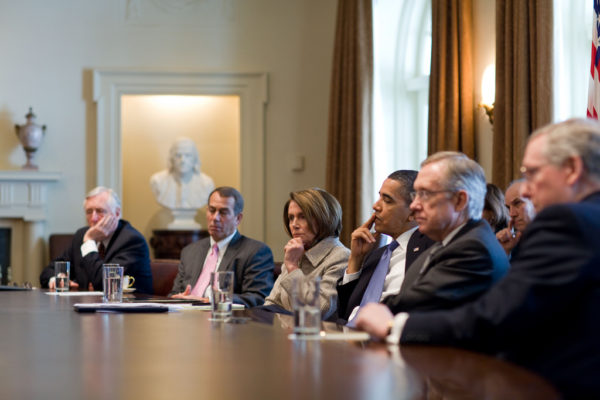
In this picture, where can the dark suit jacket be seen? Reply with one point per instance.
(459, 272)
(250, 260)
(350, 294)
(544, 314)
(127, 247)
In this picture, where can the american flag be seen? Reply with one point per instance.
(594, 89)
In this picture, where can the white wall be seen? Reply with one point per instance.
(49, 48)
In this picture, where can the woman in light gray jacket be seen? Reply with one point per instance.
(313, 220)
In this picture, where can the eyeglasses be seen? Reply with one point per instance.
(530, 172)
(425, 195)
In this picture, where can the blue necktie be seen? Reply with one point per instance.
(375, 287)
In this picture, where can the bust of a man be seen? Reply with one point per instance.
(182, 185)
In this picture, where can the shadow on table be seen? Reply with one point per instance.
(449, 373)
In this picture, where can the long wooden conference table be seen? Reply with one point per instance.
(49, 351)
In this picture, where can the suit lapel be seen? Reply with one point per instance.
(232, 250)
(416, 245)
(365, 275)
(412, 273)
(439, 250)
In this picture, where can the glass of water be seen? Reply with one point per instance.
(306, 306)
(112, 283)
(221, 286)
(62, 274)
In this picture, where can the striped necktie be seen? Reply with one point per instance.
(101, 250)
(375, 287)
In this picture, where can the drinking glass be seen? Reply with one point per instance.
(306, 306)
(221, 285)
(62, 274)
(112, 283)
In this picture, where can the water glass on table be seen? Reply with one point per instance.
(62, 275)
(112, 283)
(221, 286)
(306, 306)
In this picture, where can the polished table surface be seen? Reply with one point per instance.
(47, 350)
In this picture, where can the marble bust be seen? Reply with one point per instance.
(182, 186)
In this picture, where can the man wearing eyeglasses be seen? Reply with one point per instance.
(544, 314)
(467, 260)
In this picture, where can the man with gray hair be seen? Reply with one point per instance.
(544, 314)
(107, 239)
(467, 260)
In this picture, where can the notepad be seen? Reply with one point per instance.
(68, 294)
(121, 307)
(205, 307)
(351, 336)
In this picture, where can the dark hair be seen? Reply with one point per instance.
(406, 177)
(321, 210)
(494, 203)
(228, 191)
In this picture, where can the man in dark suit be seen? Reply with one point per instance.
(391, 217)
(467, 259)
(250, 260)
(544, 314)
(106, 240)
(521, 212)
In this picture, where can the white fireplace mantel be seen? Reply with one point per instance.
(23, 193)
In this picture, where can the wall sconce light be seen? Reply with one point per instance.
(488, 91)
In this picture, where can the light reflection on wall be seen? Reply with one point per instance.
(150, 124)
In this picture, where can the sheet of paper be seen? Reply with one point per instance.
(206, 307)
(352, 336)
(74, 293)
(120, 305)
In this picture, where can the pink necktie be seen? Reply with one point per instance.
(209, 266)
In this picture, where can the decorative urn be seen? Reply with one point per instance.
(30, 134)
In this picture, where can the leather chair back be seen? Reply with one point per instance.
(164, 272)
(58, 243)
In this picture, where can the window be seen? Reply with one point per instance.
(402, 56)
(573, 22)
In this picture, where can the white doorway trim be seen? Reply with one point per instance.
(252, 88)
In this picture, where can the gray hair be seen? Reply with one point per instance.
(113, 199)
(578, 137)
(185, 142)
(462, 173)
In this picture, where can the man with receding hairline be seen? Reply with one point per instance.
(225, 250)
(107, 239)
(521, 212)
(467, 260)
